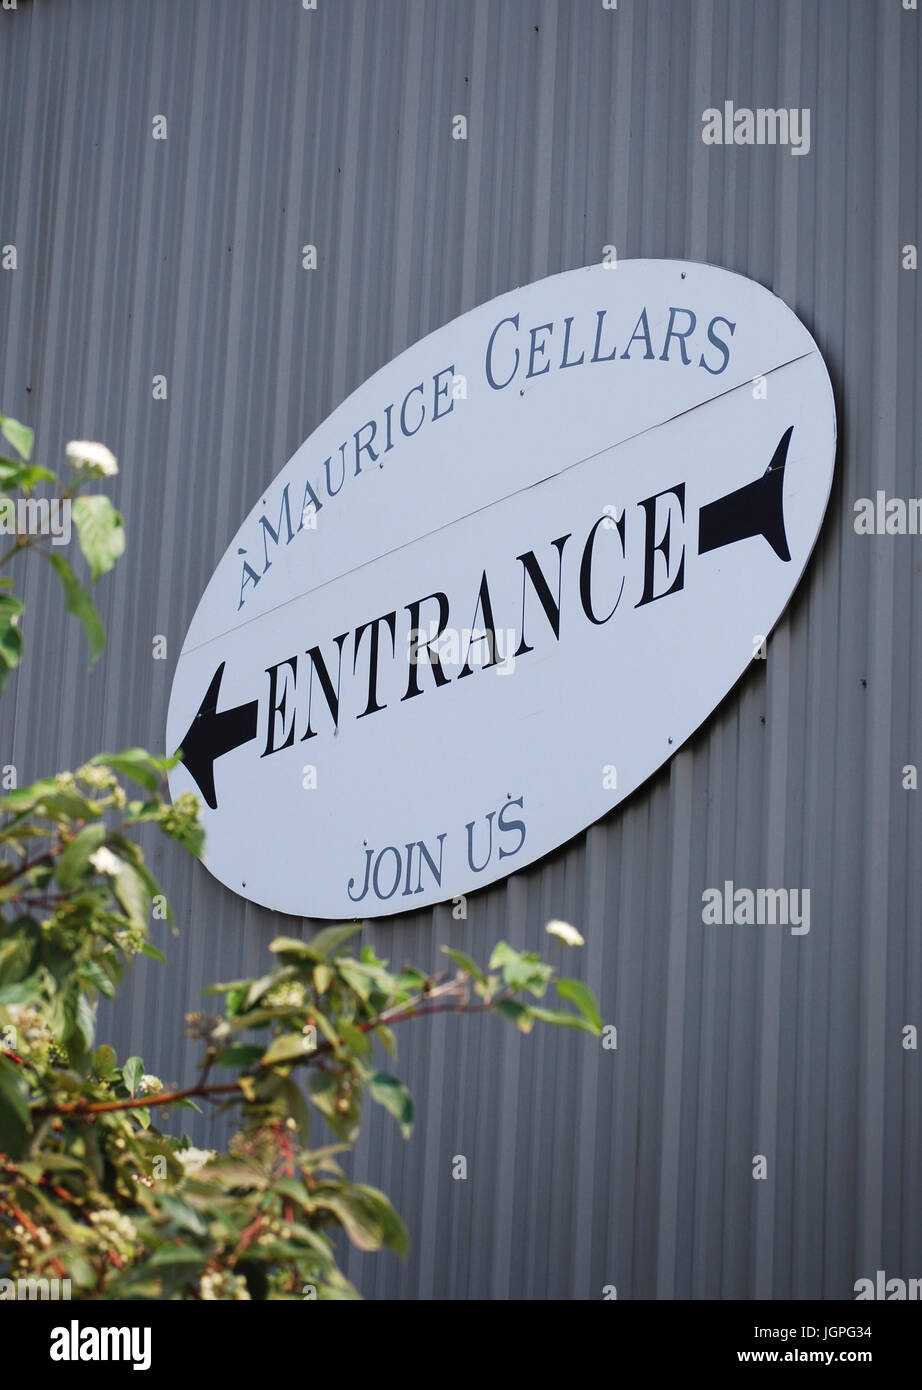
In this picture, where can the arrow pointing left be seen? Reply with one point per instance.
(212, 734)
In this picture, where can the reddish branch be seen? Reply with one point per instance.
(288, 1164)
(30, 1226)
(43, 1182)
(205, 1092)
(247, 1238)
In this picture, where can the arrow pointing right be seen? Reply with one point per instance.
(212, 734)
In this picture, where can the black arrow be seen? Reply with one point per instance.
(754, 510)
(211, 735)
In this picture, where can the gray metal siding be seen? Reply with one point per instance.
(286, 127)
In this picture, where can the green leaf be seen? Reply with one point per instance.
(20, 436)
(235, 997)
(133, 893)
(287, 1048)
(366, 1216)
(519, 1014)
(132, 1071)
(412, 980)
(74, 863)
(22, 475)
(101, 532)
(264, 984)
(52, 1162)
(84, 1027)
(11, 610)
(324, 943)
(14, 1090)
(142, 1115)
(465, 963)
(20, 946)
(354, 1039)
(152, 888)
(93, 973)
(48, 798)
(355, 977)
(563, 1020)
(322, 1090)
(81, 1271)
(387, 1038)
(104, 1059)
(292, 1097)
(22, 993)
(240, 1055)
(173, 1254)
(290, 1187)
(328, 1031)
(581, 995)
(14, 1110)
(80, 605)
(396, 1237)
(136, 763)
(394, 1096)
(328, 940)
(148, 949)
(292, 946)
(184, 1215)
(27, 798)
(342, 1119)
(521, 969)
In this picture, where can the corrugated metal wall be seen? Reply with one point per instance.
(287, 126)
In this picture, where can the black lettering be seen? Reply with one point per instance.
(651, 547)
(532, 570)
(330, 694)
(279, 706)
(391, 619)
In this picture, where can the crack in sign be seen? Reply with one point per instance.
(457, 521)
(755, 509)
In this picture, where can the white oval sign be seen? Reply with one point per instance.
(500, 586)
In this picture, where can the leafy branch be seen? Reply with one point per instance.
(90, 1189)
(100, 532)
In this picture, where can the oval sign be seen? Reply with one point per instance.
(500, 586)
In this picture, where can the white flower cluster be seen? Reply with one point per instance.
(32, 1244)
(32, 1035)
(105, 862)
(565, 933)
(24, 1017)
(29, 1255)
(95, 776)
(94, 459)
(115, 1231)
(289, 995)
(193, 1160)
(222, 1286)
